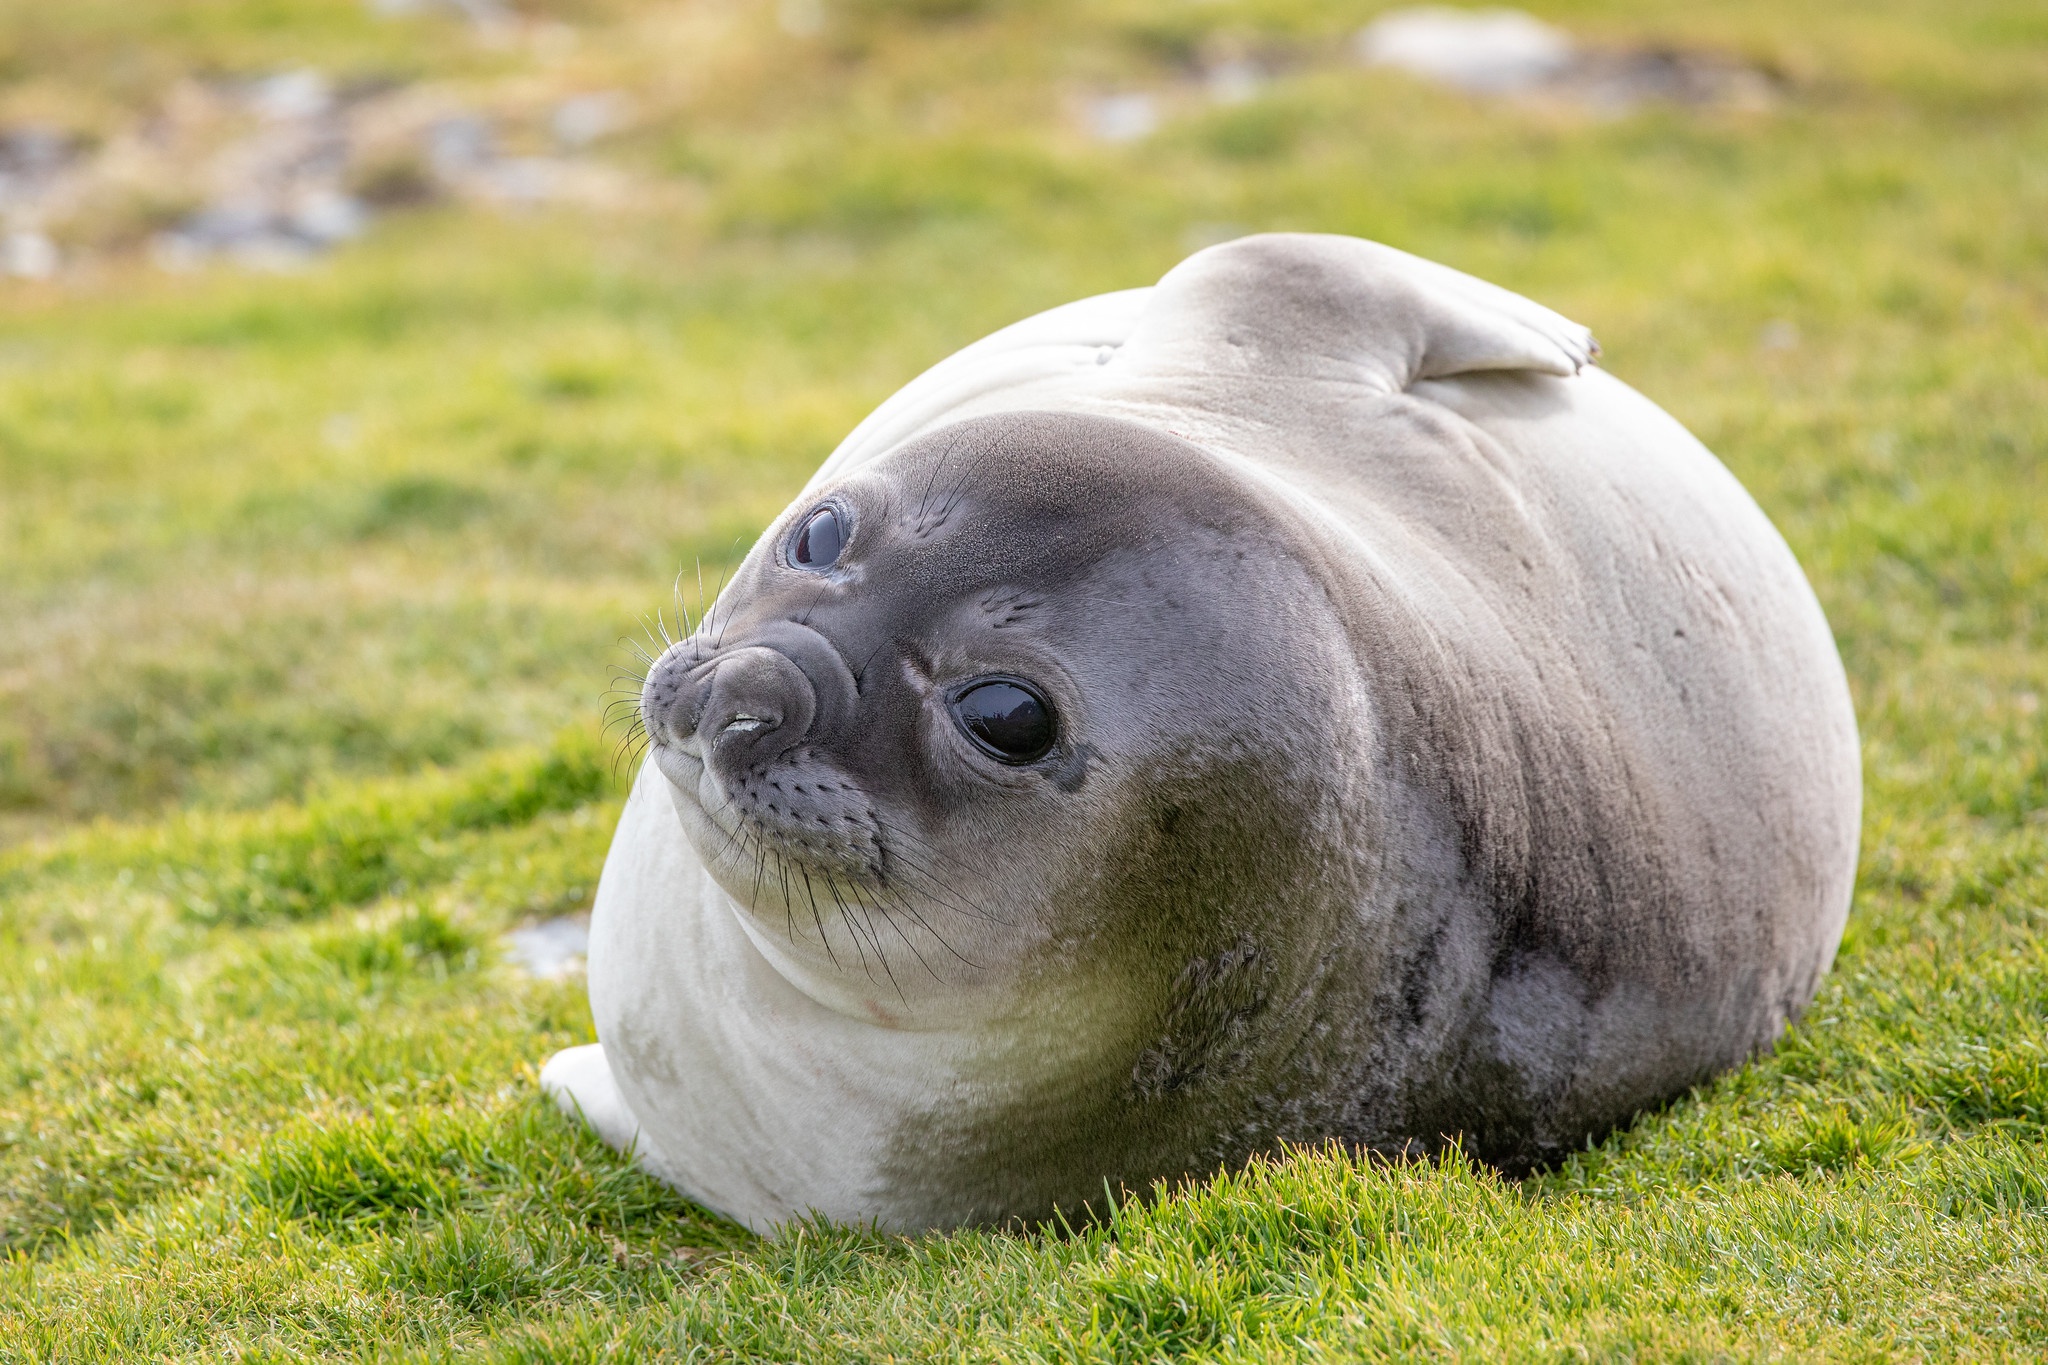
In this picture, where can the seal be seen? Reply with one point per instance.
(1301, 701)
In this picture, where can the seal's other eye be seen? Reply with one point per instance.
(1008, 719)
(818, 540)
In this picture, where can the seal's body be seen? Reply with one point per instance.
(1298, 701)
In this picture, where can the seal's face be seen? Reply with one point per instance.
(947, 701)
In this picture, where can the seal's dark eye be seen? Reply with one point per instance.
(818, 542)
(1008, 719)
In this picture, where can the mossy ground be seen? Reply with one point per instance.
(309, 585)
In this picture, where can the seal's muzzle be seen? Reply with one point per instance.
(756, 706)
(754, 699)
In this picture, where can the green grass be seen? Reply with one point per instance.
(309, 586)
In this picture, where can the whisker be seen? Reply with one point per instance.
(730, 837)
(852, 926)
(897, 854)
(854, 923)
(911, 910)
(953, 496)
(627, 754)
(951, 446)
(860, 677)
(628, 743)
(917, 840)
(909, 877)
(677, 591)
(760, 865)
(811, 895)
(702, 614)
(719, 639)
(868, 910)
(934, 895)
(788, 901)
(874, 908)
(805, 619)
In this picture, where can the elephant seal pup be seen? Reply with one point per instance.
(1298, 701)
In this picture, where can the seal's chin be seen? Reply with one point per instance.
(802, 827)
(683, 769)
(715, 829)
(809, 891)
(694, 794)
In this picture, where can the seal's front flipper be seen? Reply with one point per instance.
(580, 1079)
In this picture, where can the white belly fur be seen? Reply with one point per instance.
(769, 1105)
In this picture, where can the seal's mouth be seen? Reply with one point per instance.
(683, 768)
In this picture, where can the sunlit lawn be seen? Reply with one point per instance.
(310, 586)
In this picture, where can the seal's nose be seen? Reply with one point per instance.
(759, 704)
(778, 685)
(752, 703)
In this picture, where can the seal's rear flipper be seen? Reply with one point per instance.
(1278, 307)
(1302, 305)
(580, 1079)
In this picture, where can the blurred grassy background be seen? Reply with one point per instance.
(302, 570)
(396, 509)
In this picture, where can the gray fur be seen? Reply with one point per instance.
(1450, 750)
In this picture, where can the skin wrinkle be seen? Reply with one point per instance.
(1387, 804)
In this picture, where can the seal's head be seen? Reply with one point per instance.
(1029, 695)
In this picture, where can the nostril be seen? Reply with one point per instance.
(742, 706)
(754, 696)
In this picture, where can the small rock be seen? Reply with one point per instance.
(801, 18)
(580, 121)
(461, 143)
(28, 255)
(1122, 118)
(520, 180)
(33, 165)
(327, 217)
(31, 154)
(481, 13)
(1616, 82)
(291, 95)
(1494, 51)
(278, 197)
(219, 226)
(253, 234)
(278, 252)
(551, 949)
(1233, 81)
(176, 252)
(1507, 52)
